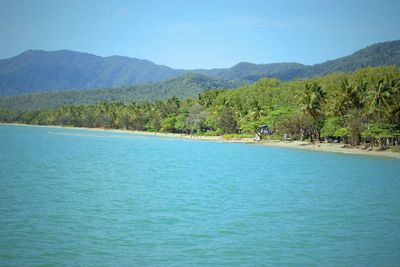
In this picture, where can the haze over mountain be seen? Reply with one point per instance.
(36, 70)
(40, 71)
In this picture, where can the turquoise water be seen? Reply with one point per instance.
(89, 198)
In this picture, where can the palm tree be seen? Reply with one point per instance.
(384, 107)
(310, 105)
(393, 111)
(349, 103)
(256, 110)
(349, 97)
(379, 98)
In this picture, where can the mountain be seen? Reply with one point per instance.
(187, 85)
(380, 54)
(247, 72)
(35, 70)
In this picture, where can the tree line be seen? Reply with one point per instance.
(356, 108)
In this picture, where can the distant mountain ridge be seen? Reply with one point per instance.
(36, 70)
(380, 54)
(249, 72)
(40, 71)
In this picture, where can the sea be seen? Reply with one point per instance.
(73, 197)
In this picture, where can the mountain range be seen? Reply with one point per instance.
(41, 71)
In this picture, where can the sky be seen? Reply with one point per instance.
(193, 34)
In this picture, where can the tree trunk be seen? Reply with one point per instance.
(356, 140)
(381, 144)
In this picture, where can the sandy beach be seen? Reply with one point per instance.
(325, 147)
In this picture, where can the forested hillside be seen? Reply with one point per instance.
(40, 71)
(188, 85)
(381, 54)
(360, 107)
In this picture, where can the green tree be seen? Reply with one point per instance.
(310, 105)
(227, 122)
(196, 118)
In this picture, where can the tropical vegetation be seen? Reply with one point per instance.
(356, 108)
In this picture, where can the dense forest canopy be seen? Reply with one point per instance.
(363, 106)
(188, 85)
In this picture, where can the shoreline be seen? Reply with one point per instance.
(302, 145)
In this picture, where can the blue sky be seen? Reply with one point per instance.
(200, 33)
